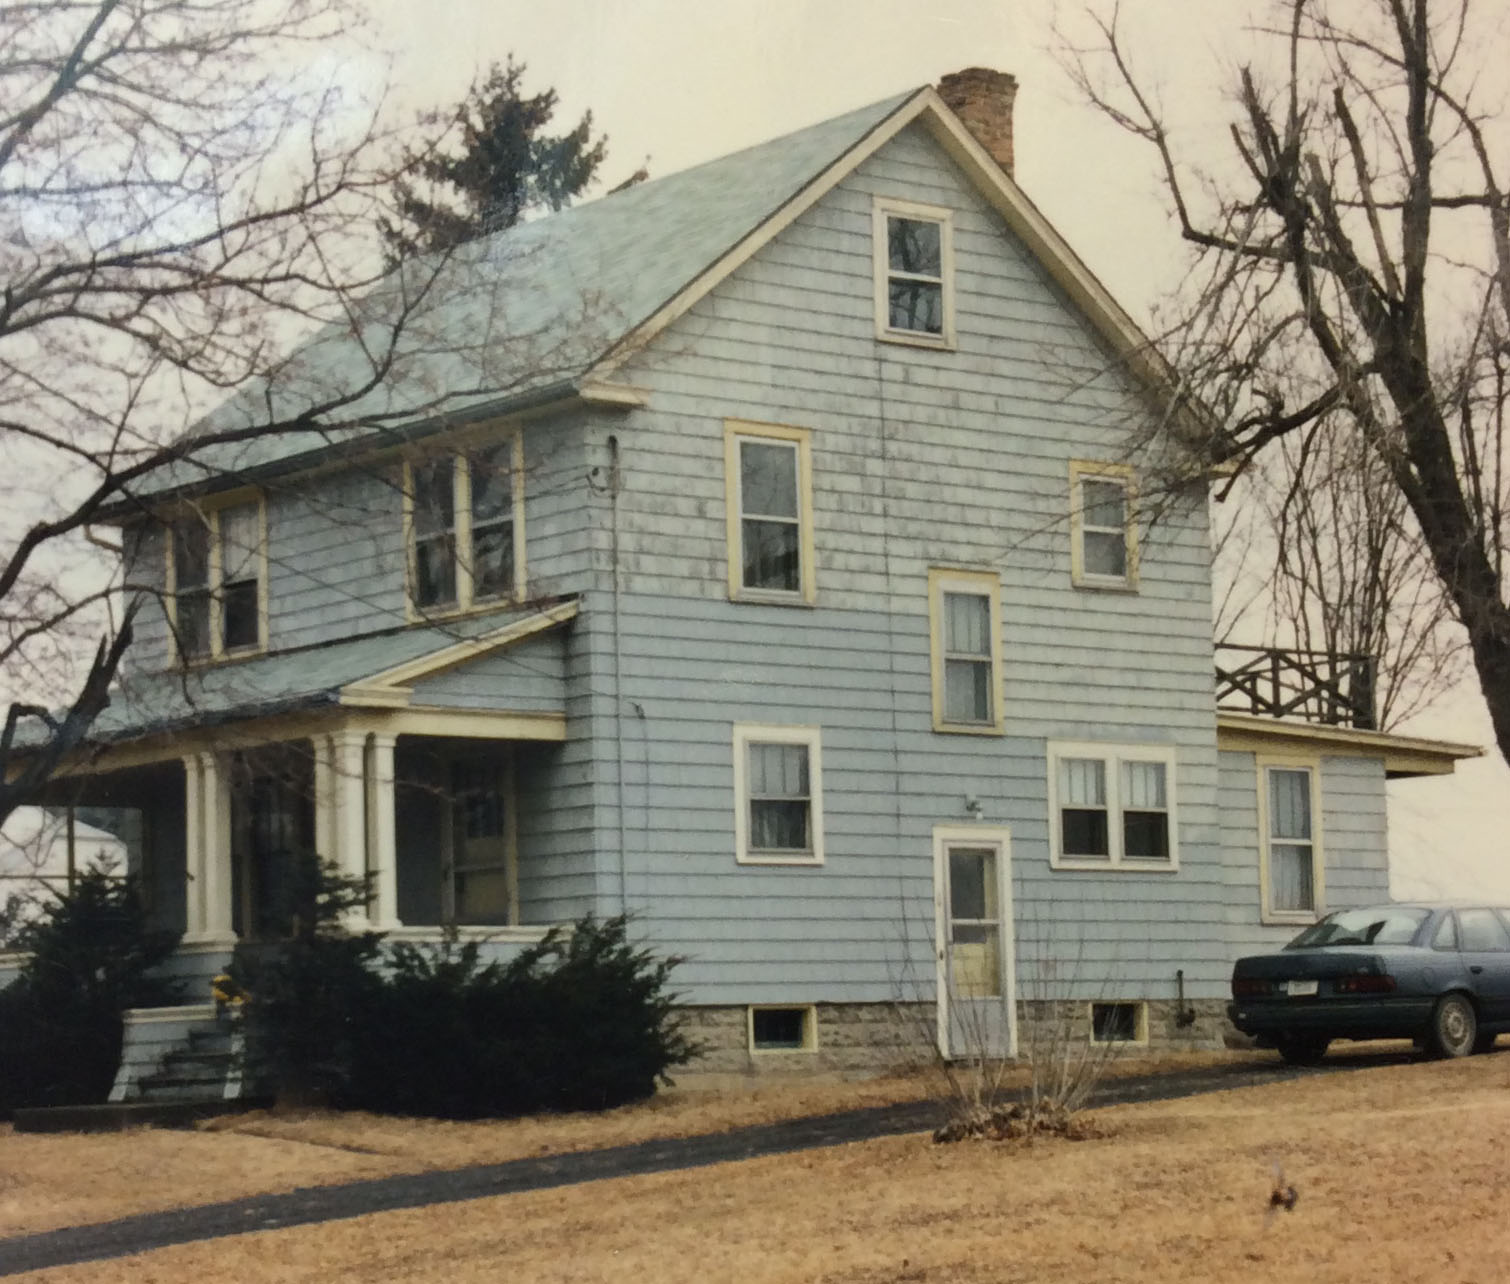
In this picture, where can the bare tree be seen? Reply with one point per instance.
(1351, 297)
(182, 195)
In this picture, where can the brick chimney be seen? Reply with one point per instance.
(982, 99)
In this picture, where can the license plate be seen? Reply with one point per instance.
(1300, 989)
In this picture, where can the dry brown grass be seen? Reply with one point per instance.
(1399, 1168)
(48, 1181)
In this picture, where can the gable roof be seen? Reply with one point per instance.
(550, 309)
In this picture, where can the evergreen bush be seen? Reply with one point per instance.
(92, 952)
(582, 1021)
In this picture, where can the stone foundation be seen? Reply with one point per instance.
(861, 1039)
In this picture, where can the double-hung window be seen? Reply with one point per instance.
(965, 629)
(217, 581)
(1112, 805)
(914, 273)
(1292, 869)
(778, 795)
(464, 521)
(1103, 526)
(768, 490)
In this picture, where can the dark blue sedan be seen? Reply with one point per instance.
(1437, 974)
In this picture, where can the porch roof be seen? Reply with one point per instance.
(367, 670)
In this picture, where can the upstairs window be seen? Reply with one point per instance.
(216, 578)
(965, 619)
(769, 494)
(1112, 805)
(914, 271)
(1103, 526)
(1291, 872)
(464, 518)
(778, 795)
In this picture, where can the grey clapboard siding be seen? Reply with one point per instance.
(1354, 847)
(919, 458)
(527, 677)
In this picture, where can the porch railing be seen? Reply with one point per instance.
(1328, 687)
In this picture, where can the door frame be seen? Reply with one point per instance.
(999, 837)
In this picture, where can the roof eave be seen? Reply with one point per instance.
(586, 390)
(1403, 756)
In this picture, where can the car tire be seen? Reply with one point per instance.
(1300, 1050)
(1454, 1026)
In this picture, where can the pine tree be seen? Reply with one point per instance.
(506, 167)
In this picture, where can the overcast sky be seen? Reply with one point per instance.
(682, 81)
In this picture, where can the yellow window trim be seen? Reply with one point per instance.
(459, 449)
(809, 1028)
(209, 512)
(1292, 762)
(744, 734)
(735, 431)
(985, 584)
(884, 207)
(1100, 470)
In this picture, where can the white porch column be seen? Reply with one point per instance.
(207, 849)
(194, 917)
(348, 807)
(382, 831)
(325, 801)
(216, 815)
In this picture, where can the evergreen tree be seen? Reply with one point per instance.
(506, 166)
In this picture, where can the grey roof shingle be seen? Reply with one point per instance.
(279, 682)
(525, 310)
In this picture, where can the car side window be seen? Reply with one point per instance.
(1482, 930)
(1446, 937)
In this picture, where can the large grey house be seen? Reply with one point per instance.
(761, 551)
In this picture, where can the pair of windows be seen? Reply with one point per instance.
(216, 581)
(1112, 806)
(464, 524)
(1290, 859)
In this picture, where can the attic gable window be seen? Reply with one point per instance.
(1103, 526)
(216, 581)
(464, 528)
(914, 271)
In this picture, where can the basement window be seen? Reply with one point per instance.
(783, 1029)
(1119, 1023)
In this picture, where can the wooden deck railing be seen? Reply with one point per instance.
(1317, 686)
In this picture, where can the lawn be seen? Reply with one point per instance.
(1399, 1169)
(52, 1180)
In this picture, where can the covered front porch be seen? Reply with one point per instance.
(426, 762)
(435, 821)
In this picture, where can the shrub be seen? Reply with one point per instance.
(309, 992)
(92, 952)
(581, 1021)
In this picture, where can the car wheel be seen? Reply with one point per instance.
(1454, 1026)
(1301, 1051)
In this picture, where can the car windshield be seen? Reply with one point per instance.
(1379, 925)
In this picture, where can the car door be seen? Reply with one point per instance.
(1484, 944)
